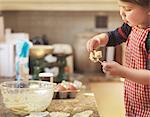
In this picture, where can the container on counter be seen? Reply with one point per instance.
(65, 94)
(22, 59)
(65, 90)
(46, 77)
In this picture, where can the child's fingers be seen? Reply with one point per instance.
(92, 44)
(88, 45)
(103, 63)
(106, 66)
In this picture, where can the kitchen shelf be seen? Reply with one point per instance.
(59, 5)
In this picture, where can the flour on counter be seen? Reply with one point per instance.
(84, 114)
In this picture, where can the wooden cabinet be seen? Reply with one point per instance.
(59, 5)
(119, 54)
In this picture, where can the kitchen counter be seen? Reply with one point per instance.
(85, 100)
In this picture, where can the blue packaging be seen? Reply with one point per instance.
(22, 59)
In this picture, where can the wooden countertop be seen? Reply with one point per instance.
(85, 100)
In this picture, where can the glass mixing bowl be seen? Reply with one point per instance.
(25, 97)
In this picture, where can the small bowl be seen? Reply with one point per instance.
(23, 98)
(39, 51)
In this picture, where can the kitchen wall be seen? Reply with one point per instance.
(60, 27)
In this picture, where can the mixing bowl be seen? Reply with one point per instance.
(25, 97)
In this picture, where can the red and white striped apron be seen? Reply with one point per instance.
(136, 96)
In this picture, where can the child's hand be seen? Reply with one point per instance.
(96, 41)
(93, 43)
(112, 68)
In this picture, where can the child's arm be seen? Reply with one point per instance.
(119, 35)
(138, 76)
(112, 38)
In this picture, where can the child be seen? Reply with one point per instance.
(136, 33)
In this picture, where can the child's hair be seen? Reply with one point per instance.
(143, 3)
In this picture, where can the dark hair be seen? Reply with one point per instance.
(142, 3)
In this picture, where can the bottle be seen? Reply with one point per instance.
(22, 59)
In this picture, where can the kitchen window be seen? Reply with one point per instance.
(101, 22)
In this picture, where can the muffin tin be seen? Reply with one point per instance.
(65, 94)
(65, 90)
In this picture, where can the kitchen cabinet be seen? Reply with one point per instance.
(59, 5)
(119, 54)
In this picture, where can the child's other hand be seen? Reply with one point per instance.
(96, 41)
(112, 68)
